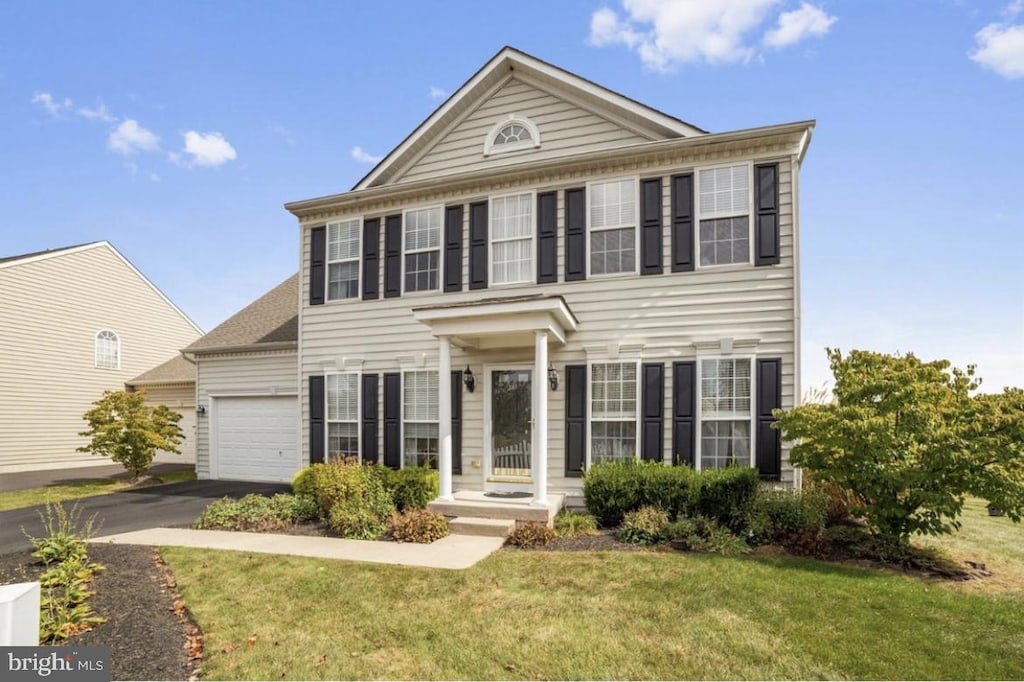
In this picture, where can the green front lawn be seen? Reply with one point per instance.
(648, 615)
(73, 491)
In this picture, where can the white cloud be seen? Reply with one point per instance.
(1014, 8)
(1000, 47)
(437, 93)
(666, 33)
(362, 157)
(808, 21)
(206, 149)
(54, 107)
(98, 113)
(130, 137)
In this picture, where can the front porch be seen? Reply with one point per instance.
(474, 512)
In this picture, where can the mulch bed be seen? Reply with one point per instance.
(147, 626)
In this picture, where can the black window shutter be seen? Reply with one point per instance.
(547, 237)
(650, 227)
(652, 430)
(478, 245)
(682, 213)
(769, 397)
(392, 256)
(575, 419)
(371, 259)
(684, 409)
(453, 248)
(766, 201)
(456, 422)
(317, 435)
(317, 265)
(369, 426)
(393, 420)
(575, 234)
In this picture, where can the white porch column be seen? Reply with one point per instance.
(444, 416)
(540, 420)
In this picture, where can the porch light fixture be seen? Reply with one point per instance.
(201, 410)
(468, 379)
(553, 377)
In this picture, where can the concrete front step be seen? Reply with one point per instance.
(474, 525)
(475, 505)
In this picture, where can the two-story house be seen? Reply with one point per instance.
(544, 275)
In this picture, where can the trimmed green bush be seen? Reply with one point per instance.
(571, 524)
(418, 525)
(786, 517)
(726, 495)
(356, 521)
(413, 487)
(304, 481)
(258, 512)
(346, 481)
(643, 526)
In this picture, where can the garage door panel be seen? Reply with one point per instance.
(256, 438)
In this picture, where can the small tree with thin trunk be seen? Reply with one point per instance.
(129, 431)
(911, 440)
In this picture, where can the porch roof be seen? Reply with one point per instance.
(499, 322)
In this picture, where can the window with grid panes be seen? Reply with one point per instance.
(422, 243)
(613, 411)
(419, 419)
(343, 240)
(512, 229)
(107, 349)
(342, 416)
(724, 200)
(612, 219)
(725, 413)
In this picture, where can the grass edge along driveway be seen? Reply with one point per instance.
(63, 492)
(617, 615)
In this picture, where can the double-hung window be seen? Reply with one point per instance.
(612, 218)
(423, 249)
(420, 418)
(724, 200)
(342, 416)
(107, 350)
(512, 230)
(725, 413)
(343, 240)
(613, 411)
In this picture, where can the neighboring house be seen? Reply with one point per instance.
(543, 275)
(173, 383)
(74, 322)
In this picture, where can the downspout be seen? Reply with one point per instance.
(797, 162)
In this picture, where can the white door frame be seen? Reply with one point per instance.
(526, 484)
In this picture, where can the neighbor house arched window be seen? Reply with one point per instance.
(108, 350)
(511, 133)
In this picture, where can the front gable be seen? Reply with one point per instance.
(569, 114)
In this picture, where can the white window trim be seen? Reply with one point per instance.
(358, 260)
(636, 227)
(401, 415)
(533, 238)
(95, 349)
(440, 250)
(491, 148)
(359, 414)
(590, 402)
(749, 213)
(753, 404)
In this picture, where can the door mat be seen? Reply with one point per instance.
(509, 496)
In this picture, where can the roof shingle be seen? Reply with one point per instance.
(271, 319)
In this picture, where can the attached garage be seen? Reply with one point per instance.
(254, 438)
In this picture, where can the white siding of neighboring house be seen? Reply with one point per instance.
(666, 313)
(182, 399)
(565, 129)
(238, 374)
(50, 311)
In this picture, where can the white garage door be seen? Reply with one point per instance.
(255, 439)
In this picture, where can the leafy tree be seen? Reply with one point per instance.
(127, 430)
(910, 441)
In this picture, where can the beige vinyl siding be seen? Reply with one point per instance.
(182, 399)
(671, 315)
(238, 374)
(565, 128)
(50, 311)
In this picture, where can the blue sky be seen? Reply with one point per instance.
(178, 130)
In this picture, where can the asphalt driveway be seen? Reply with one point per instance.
(175, 504)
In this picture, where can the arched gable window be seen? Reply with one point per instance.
(108, 350)
(511, 133)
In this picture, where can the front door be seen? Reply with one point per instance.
(510, 434)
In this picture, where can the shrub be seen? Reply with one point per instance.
(531, 534)
(570, 524)
(669, 488)
(65, 534)
(611, 489)
(726, 495)
(643, 526)
(304, 481)
(418, 525)
(353, 519)
(126, 428)
(348, 481)
(701, 534)
(788, 518)
(258, 512)
(413, 487)
(296, 508)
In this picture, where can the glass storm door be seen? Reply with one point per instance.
(511, 423)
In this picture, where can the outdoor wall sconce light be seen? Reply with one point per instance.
(553, 377)
(201, 410)
(469, 380)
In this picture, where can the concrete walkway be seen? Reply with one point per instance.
(453, 552)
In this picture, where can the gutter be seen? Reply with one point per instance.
(247, 348)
